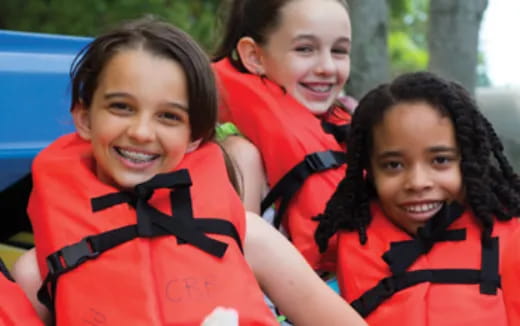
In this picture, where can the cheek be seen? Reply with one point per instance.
(385, 187)
(294, 70)
(177, 146)
(451, 180)
(287, 77)
(106, 130)
(345, 71)
(455, 184)
(100, 142)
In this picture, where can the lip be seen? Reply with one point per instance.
(317, 95)
(421, 210)
(132, 164)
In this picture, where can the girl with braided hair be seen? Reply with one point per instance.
(425, 209)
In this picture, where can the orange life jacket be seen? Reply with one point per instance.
(15, 308)
(443, 276)
(163, 265)
(294, 146)
(510, 271)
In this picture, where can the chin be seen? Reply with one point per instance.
(126, 185)
(318, 110)
(130, 183)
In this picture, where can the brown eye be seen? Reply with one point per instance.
(171, 116)
(442, 160)
(392, 165)
(119, 107)
(305, 49)
(340, 50)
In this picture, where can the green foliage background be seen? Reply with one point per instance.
(200, 18)
(89, 18)
(407, 44)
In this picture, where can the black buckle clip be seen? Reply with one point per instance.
(73, 255)
(320, 161)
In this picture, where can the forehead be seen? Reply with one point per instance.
(141, 70)
(321, 17)
(413, 127)
(129, 60)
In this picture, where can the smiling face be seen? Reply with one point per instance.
(415, 164)
(138, 121)
(308, 54)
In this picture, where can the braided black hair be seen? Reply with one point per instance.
(491, 186)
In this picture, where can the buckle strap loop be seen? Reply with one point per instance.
(321, 161)
(71, 256)
(293, 180)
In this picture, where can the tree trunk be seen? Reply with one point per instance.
(370, 63)
(453, 31)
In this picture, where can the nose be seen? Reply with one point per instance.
(326, 64)
(141, 129)
(418, 179)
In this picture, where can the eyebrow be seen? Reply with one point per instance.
(313, 38)
(438, 149)
(433, 149)
(178, 105)
(389, 154)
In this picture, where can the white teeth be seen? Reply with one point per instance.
(136, 156)
(320, 88)
(422, 207)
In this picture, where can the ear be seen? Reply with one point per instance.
(250, 54)
(193, 145)
(81, 117)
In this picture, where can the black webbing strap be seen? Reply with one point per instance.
(340, 132)
(387, 287)
(140, 196)
(150, 223)
(181, 225)
(293, 180)
(403, 254)
(181, 200)
(489, 274)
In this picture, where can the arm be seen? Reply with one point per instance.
(246, 157)
(27, 275)
(290, 282)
